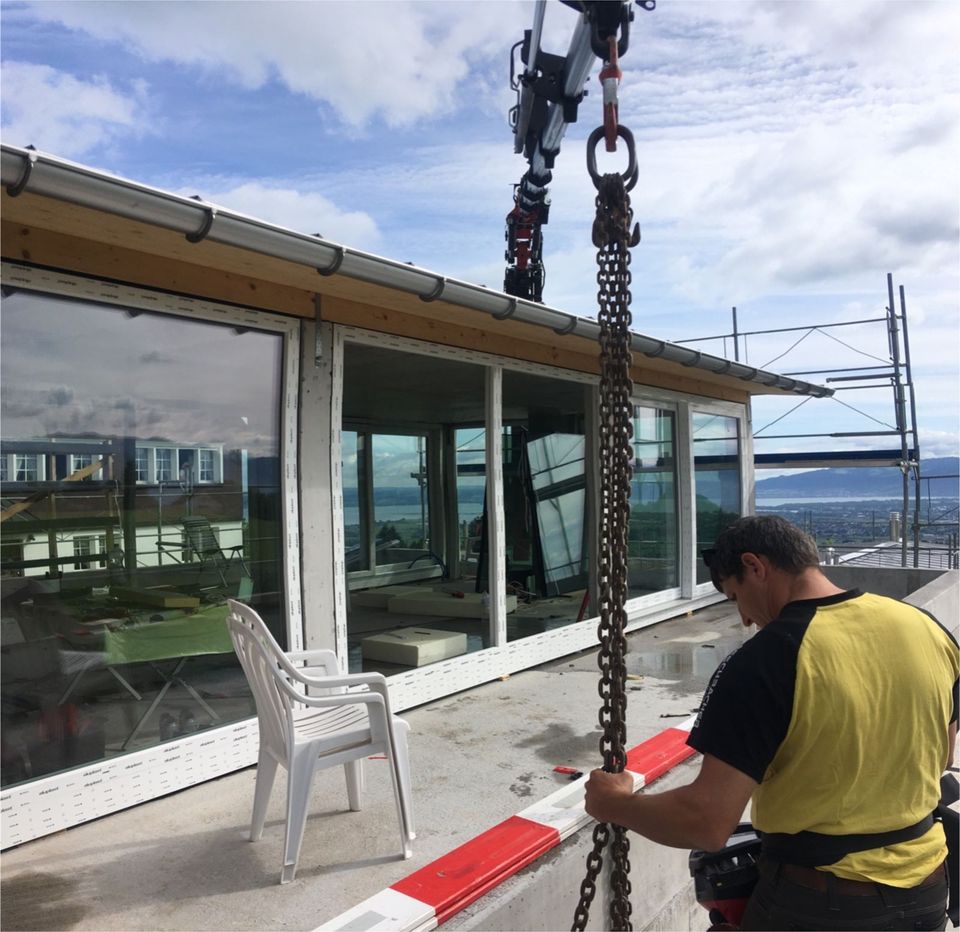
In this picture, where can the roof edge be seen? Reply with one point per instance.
(50, 176)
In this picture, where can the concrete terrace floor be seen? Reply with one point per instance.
(183, 862)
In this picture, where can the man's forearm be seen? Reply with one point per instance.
(676, 818)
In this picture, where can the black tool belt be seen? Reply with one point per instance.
(813, 849)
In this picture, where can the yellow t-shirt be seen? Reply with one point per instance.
(840, 710)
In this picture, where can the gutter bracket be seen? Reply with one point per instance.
(201, 234)
(508, 313)
(437, 291)
(17, 188)
(569, 328)
(334, 266)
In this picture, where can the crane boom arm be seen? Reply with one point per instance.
(549, 91)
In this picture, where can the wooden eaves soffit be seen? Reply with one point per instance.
(57, 234)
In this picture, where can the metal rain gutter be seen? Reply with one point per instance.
(29, 170)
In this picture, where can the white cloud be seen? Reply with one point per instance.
(59, 113)
(938, 443)
(397, 62)
(786, 150)
(302, 210)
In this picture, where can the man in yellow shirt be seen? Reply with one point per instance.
(837, 719)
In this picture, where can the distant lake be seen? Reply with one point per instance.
(801, 500)
(351, 514)
(471, 509)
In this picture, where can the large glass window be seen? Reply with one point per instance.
(653, 538)
(113, 590)
(413, 493)
(716, 461)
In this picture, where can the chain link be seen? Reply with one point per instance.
(613, 238)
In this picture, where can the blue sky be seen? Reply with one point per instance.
(790, 155)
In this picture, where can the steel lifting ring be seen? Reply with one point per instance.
(631, 174)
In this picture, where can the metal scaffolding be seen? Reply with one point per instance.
(896, 374)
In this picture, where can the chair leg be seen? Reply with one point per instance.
(400, 775)
(299, 781)
(266, 772)
(355, 783)
(403, 766)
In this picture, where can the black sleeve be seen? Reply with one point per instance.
(746, 710)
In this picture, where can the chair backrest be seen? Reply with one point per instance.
(200, 537)
(259, 655)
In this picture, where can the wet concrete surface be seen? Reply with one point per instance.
(183, 862)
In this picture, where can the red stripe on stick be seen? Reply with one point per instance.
(458, 878)
(656, 756)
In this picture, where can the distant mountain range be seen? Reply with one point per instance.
(862, 481)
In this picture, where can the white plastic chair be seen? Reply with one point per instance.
(310, 720)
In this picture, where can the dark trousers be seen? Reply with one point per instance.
(779, 904)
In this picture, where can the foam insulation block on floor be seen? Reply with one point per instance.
(444, 605)
(414, 647)
(380, 598)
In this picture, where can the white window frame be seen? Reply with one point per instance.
(84, 546)
(80, 461)
(41, 467)
(216, 466)
(148, 458)
(174, 468)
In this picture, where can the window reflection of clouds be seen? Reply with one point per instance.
(715, 435)
(84, 368)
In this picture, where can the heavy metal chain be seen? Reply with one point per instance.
(613, 237)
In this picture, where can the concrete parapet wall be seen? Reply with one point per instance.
(544, 895)
(895, 582)
(936, 591)
(941, 597)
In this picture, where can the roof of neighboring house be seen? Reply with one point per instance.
(890, 554)
(51, 205)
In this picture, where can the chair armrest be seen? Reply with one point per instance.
(375, 680)
(364, 697)
(320, 657)
(375, 683)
